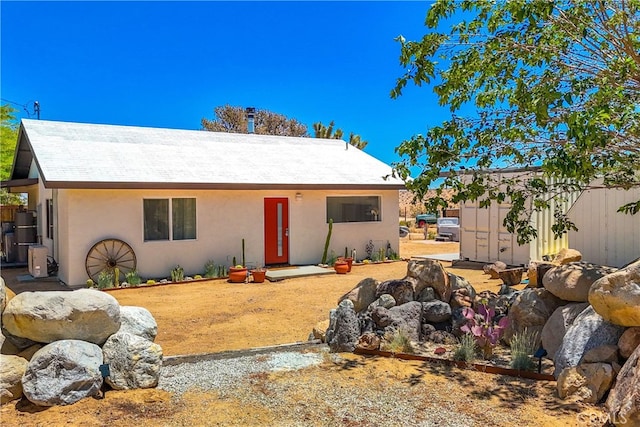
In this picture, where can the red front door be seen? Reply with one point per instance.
(276, 230)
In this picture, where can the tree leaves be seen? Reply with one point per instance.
(555, 89)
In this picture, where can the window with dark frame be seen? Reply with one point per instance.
(160, 223)
(353, 209)
(50, 219)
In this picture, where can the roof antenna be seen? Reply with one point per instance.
(36, 109)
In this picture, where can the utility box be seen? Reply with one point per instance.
(38, 260)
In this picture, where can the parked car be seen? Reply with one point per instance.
(404, 231)
(428, 218)
(448, 229)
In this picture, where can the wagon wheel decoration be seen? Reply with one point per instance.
(108, 254)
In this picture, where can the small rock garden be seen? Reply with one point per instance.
(575, 321)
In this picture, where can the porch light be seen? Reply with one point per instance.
(298, 197)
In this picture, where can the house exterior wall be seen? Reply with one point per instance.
(605, 236)
(223, 218)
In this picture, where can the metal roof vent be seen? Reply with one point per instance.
(251, 111)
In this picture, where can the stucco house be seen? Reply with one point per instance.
(183, 197)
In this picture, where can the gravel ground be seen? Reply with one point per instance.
(280, 383)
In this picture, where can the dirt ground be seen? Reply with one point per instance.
(213, 316)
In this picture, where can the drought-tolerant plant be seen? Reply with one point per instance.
(210, 269)
(197, 277)
(326, 242)
(177, 274)
(105, 279)
(368, 248)
(90, 283)
(116, 277)
(151, 282)
(466, 350)
(398, 342)
(332, 259)
(133, 278)
(431, 235)
(523, 344)
(483, 327)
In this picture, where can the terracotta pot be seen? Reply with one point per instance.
(258, 275)
(349, 262)
(341, 267)
(237, 275)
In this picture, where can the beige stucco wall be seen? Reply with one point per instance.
(223, 219)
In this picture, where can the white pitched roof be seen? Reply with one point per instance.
(78, 155)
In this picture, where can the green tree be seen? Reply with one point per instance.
(234, 119)
(328, 132)
(8, 140)
(551, 84)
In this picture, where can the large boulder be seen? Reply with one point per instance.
(623, 402)
(85, 314)
(344, 330)
(400, 290)
(616, 297)
(629, 341)
(428, 272)
(463, 293)
(436, 311)
(138, 321)
(587, 382)
(556, 327)
(566, 256)
(12, 369)
(530, 310)
(63, 372)
(589, 330)
(494, 269)
(571, 282)
(362, 295)
(134, 362)
(607, 353)
(384, 300)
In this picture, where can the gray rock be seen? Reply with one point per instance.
(616, 297)
(587, 382)
(431, 273)
(85, 314)
(384, 300)
(426, 294)
(134, 362)
(603, 354)
(531, 310)
(571, 282)
(629, 341)
(362, 295)
(138, 321)
(381, 317)
(331, 329)
(623, 402)
(12, 369)
(443, 337)
(407, 317)
(436, 311)
(589, 330)
(347, 329)
(400, 290)
(556, 327)
(63, 372)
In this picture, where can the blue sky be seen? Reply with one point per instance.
(168, 64)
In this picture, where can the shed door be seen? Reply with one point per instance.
(276, 230)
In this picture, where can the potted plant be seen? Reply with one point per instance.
(259, 274)
(347, 258)
(237, 272)
(341, 266)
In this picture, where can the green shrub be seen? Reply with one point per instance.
(133, 278)
(523, 345)
(151, 282)
(177, 274)
(210, 270)
(466, 350)
(105, 279)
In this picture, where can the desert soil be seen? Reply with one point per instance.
(213, 316)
